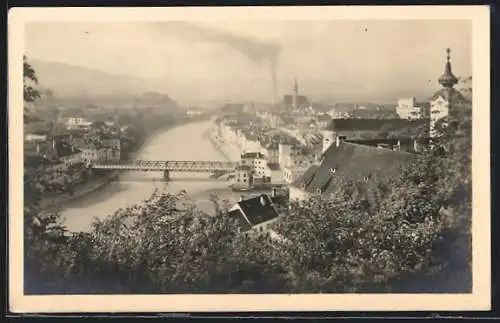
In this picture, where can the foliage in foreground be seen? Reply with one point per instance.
(405, 234)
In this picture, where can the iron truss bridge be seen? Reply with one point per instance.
(171, 166)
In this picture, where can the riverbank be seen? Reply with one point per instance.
(229, 151)
(82, 189)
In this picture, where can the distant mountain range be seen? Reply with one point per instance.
(77, 81)
(71, 81)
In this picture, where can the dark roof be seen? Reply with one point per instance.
(371, 124)
(107, 136)
(351, 161)
(301, 99)
(375, 142)
(240, 219)
(63, 149)
(33, 160)
(258, 209)
(324, 117)
(252, 155)
(243, 167)
(451, 95)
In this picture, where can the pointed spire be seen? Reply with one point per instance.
(447, 80)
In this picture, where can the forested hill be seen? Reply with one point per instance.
(78, 81)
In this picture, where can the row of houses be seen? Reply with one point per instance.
(277, 149)
(61, 159)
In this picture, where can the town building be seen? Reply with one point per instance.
(114, 145)
(347, 161)
(242, 177)
(322, 120)
(258, 163)
(92, 153)
(294, 154)
(35, 137)
(232, 109)
(272, 154)
(291, 173)
(408, 109)
(446, 101)
(250, 142)
(295, 102)
(193, 113)
(356, 129)
(411, 145)
(78, 121)
(255, 215)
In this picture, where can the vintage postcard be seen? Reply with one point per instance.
(249, 159)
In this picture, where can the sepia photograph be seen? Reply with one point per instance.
(199, 159)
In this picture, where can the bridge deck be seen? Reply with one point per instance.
(175, 166)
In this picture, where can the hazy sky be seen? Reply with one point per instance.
(369, 58)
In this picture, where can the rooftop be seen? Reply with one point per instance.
(255, 211)
(351, 161)
(252, 155)
(372, 124)
(243, 167)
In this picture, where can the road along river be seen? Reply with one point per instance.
(186, 142)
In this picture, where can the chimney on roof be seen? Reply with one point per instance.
(397, 147)
(263, 201)
(37, 147)
(415, 145)
(242, 198)
(274, 192)
(337, 141)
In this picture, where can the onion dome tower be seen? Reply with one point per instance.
(447, 79)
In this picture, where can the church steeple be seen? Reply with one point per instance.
(295, 87)
(295, 96)
(447, 80)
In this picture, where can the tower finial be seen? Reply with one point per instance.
(448, 80)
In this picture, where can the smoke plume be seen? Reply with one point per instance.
(257, 51)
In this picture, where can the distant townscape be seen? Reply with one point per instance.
(306, 196)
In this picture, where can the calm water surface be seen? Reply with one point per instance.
(186, 142)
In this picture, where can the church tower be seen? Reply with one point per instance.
(442, 101)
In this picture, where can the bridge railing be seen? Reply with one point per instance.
(174, 165)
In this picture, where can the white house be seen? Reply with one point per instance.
(407, 109)
(257, 162)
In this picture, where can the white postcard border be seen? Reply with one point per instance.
(479, 299)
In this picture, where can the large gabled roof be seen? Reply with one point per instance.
(351, 161)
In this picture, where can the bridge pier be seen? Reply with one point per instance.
(166, 176)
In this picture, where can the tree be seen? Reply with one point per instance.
(30, 79)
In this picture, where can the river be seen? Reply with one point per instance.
(186, 142)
